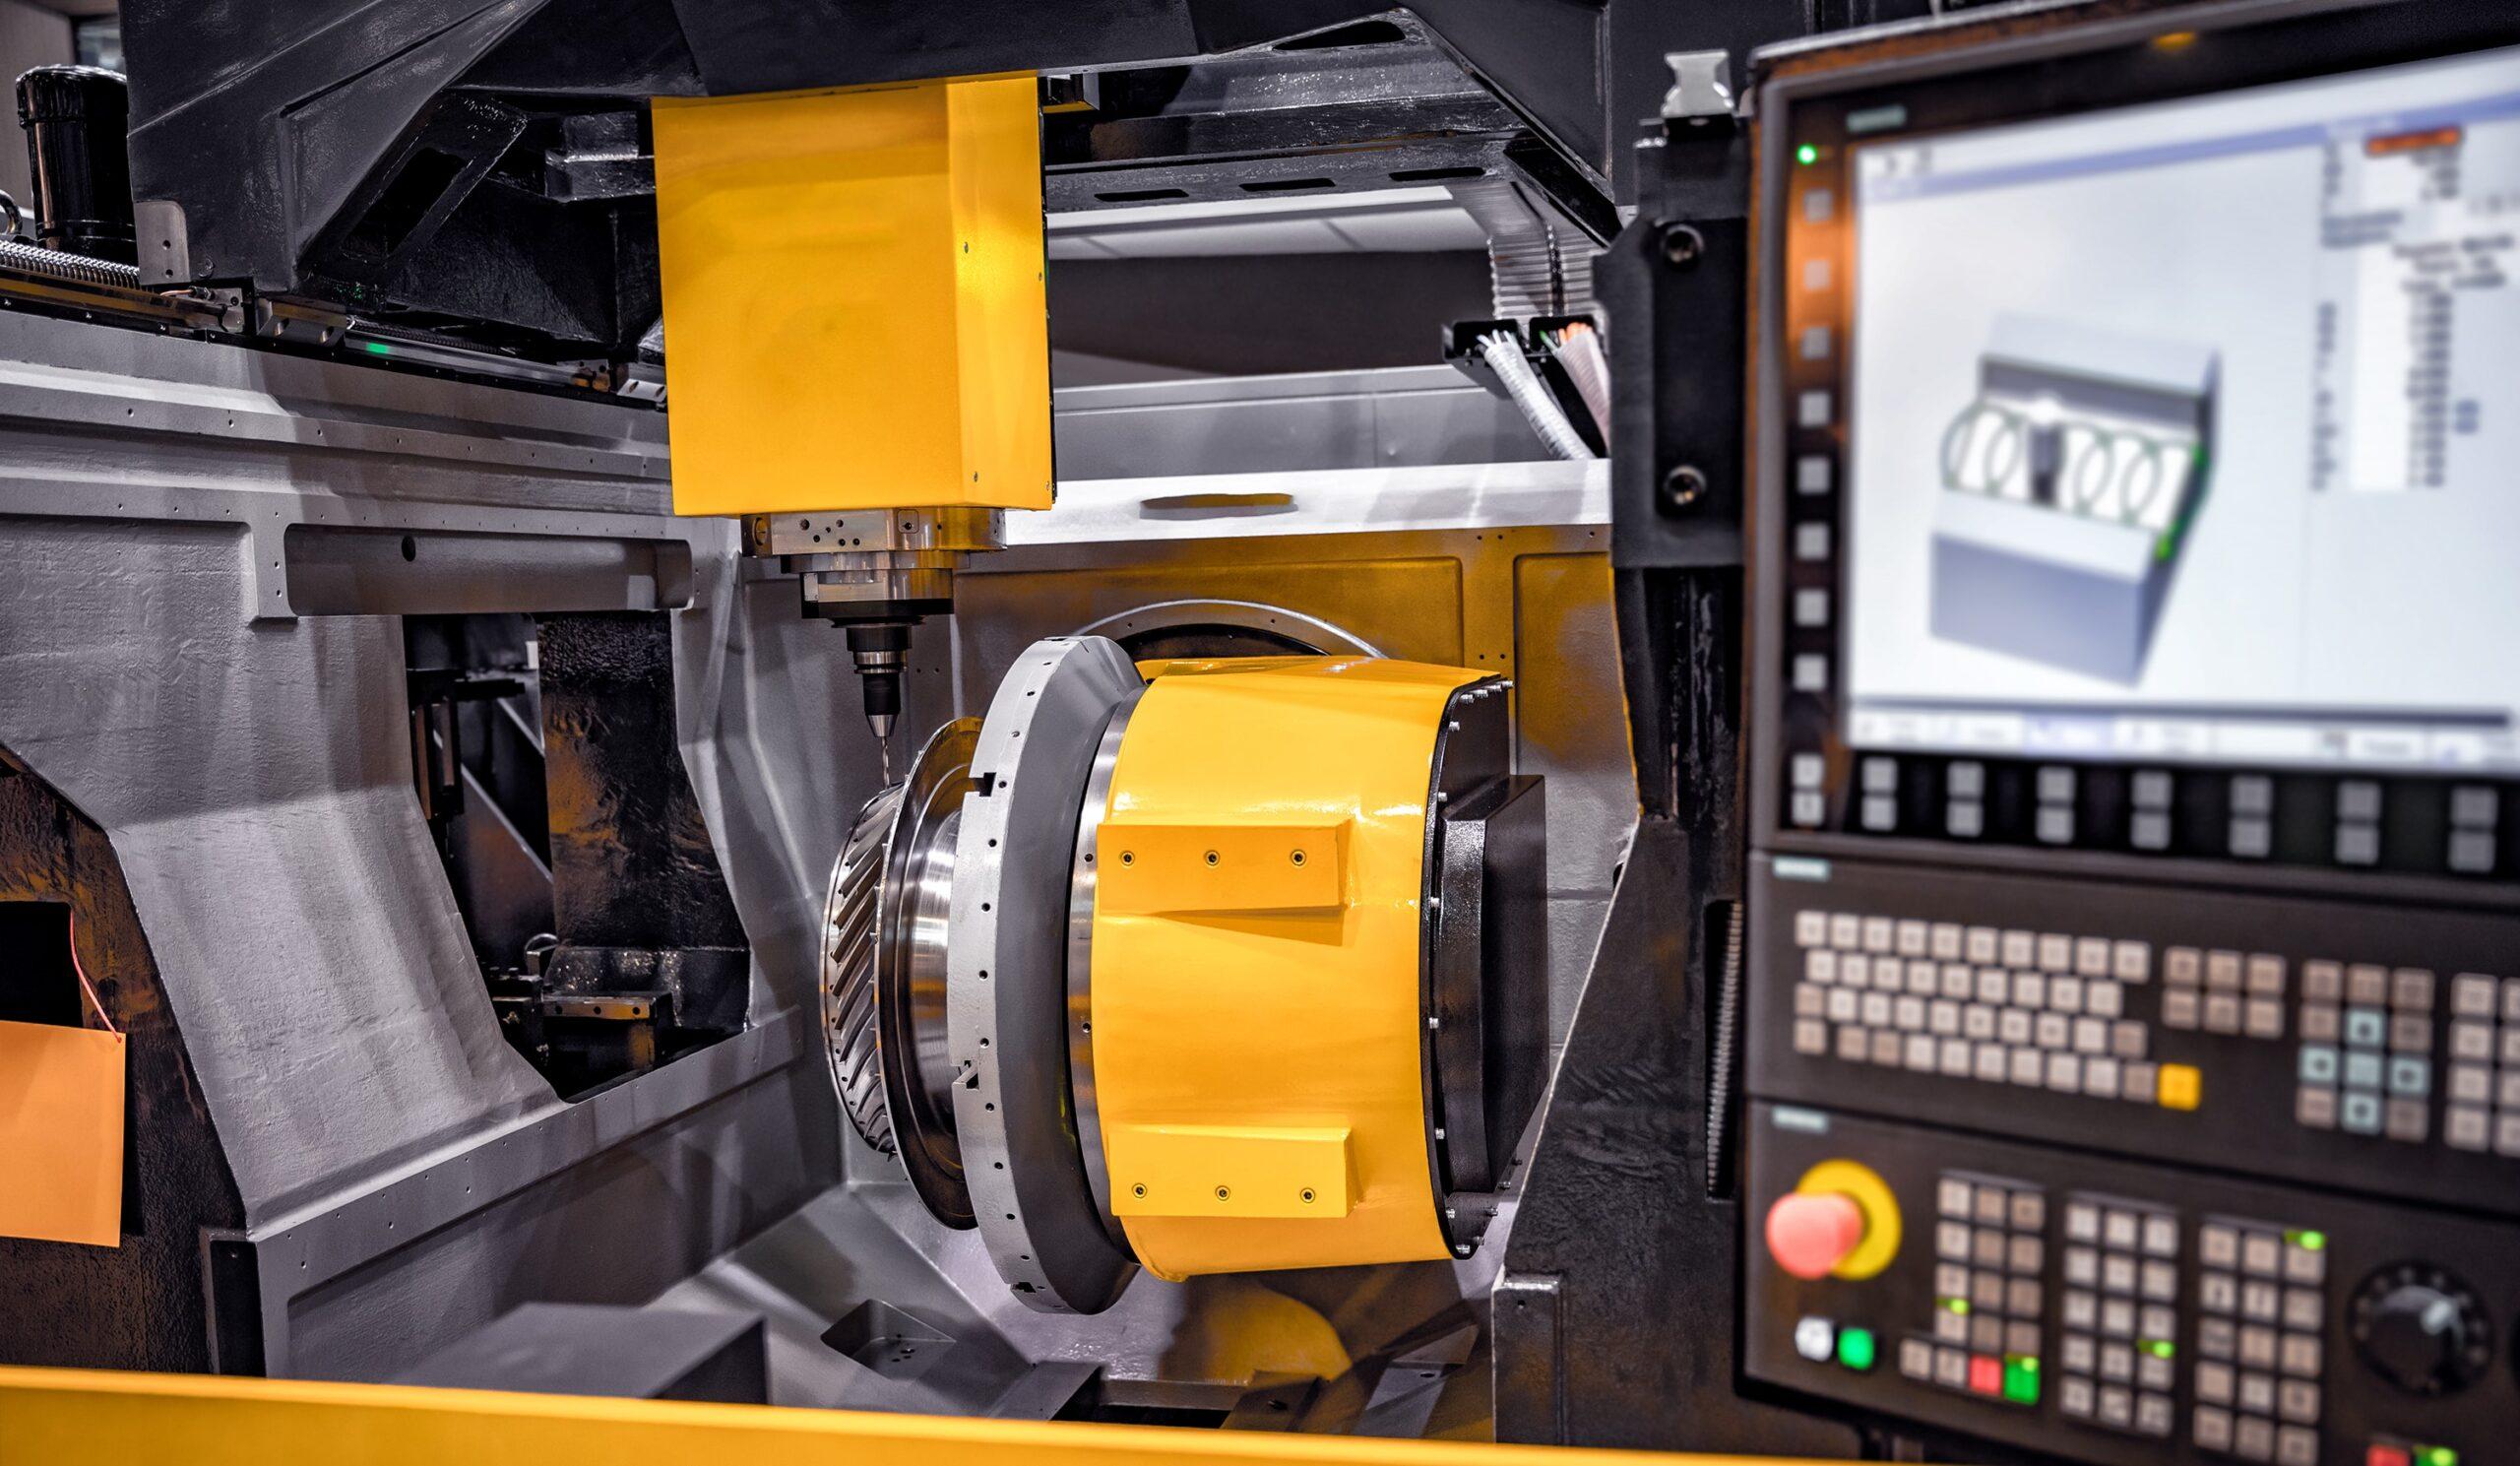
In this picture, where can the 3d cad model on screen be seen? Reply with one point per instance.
(2070, 480)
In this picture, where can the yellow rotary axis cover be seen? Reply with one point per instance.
(1258, 1032)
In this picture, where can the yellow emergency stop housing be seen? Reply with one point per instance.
(1242, 960)
(854, 303)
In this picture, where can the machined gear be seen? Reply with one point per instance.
(850, 1028)
(883, 969)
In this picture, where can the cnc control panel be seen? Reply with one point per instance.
(2133, 965)
(2124, 1312)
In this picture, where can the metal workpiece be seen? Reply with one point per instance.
(1007, 998)
(884, 975)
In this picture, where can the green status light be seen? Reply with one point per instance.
(376, 349)
(2021, 1380)
(2316, 1241)
(2160, 1348)
(1856, 1348)
(1806, 154)
(2439, 1456)
(1955, 1304)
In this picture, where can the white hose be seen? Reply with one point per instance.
(1505, 358)
(1580, 351)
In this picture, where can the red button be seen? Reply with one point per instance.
(2387, 1455)
(1810, 1232)
(1985, 1373)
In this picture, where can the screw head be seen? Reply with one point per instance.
(1682, 488)
(1682, 246)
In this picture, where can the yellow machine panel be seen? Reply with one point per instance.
(110, 1417)
(1313, 983)
(854, 303)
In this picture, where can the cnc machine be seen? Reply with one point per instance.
(1868, 821)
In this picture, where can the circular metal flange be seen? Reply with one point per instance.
(884, 971)
(1006, 999)
(1471, 744)
(1080, 966)
(1274, 623)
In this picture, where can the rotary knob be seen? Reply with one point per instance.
(2422, 1330)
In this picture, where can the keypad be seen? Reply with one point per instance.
(2222, 991)
(2117, 1344)
(2366, 1051)
(2045, 1010)
(2261, 1305)
(2483, 1086)
(1990, 1252)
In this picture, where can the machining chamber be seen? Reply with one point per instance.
(1198, 966)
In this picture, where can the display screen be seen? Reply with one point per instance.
(2190, 432)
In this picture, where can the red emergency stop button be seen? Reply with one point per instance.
(1810, 1232)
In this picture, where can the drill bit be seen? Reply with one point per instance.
(880, 650)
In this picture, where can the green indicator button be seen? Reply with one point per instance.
(2021, 1380)
(1856, 1348)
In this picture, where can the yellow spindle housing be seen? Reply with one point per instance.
(856, 314)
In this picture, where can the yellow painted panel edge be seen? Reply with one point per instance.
(112, 1416)
(993, 134)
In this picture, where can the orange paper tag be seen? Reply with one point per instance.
(61, 1092)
